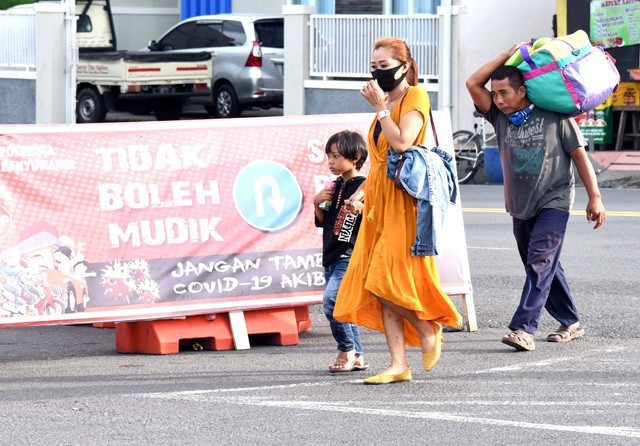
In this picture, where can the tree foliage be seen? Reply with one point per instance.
(6, 4)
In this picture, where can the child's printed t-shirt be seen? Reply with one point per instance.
(340, 228)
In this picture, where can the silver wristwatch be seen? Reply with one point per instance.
(383, 114)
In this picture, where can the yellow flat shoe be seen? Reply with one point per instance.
(387, 379)
(430, 359)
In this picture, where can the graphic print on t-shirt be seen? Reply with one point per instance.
(345, 223)
(527, 144)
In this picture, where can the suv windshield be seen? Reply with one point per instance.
(270, 33)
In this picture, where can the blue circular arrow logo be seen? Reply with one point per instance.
(267, 195)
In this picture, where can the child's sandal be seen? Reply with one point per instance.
(360, 363)
(345, 362)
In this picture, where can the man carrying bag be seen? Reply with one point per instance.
(537, 148)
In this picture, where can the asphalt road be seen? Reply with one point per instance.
(68, 385)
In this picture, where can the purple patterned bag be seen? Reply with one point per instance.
(567, 74)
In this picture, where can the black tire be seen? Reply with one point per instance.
(467, 149)
(225, 102)
(168, 111)
(90, 106)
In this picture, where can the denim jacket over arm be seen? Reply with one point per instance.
(429, 176)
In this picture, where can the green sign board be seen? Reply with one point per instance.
(615, 23)
(598, 124)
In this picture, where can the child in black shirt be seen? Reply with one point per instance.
(346, 152)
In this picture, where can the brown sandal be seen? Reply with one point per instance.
(566, 334)
(520, 340)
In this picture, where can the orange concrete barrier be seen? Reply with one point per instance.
(104, 325)
(303, 319)
(280, 326)
(163, 336)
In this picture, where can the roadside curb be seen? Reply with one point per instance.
(613, 174)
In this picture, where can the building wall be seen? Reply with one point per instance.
(319, 101)
(484, 29)
(262, 6)
(18, 105)
(137, 22)
(329, 101)
(481, 30)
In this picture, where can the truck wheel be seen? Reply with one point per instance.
(90, 106)
(225, 102)
(168, 112)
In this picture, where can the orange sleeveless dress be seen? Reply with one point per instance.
(382, 264)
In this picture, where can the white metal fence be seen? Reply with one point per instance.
(17, 42)
(341, 44)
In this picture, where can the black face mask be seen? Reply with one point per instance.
(386, 78)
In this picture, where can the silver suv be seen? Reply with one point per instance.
(247, 54)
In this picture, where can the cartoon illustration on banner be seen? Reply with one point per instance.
(109, 219)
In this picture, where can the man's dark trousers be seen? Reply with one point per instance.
(539, 243)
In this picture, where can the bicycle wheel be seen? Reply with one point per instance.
(467, 149)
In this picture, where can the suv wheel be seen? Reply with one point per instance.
(225, 102)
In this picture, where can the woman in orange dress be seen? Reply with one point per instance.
(386, 288)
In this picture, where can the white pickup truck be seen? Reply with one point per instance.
(133, 81)
(140, 82)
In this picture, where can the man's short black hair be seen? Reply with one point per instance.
(351, 145)
(509, 72)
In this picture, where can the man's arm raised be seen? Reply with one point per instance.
(476, 83)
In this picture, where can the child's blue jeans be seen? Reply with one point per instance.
(346, 335)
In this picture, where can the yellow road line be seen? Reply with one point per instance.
(485, 210)
(574, 212)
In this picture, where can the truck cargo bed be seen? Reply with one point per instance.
(144, 68)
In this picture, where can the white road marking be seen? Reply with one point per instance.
(441, 416)
(187, 393)
(342, 407)
(547, 362)
(523, 403)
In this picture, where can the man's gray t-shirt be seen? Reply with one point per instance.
(537, 168)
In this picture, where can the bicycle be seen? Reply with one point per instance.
(469, 149)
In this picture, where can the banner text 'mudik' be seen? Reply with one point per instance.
(167, 231)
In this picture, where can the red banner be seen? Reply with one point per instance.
(146, 220)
